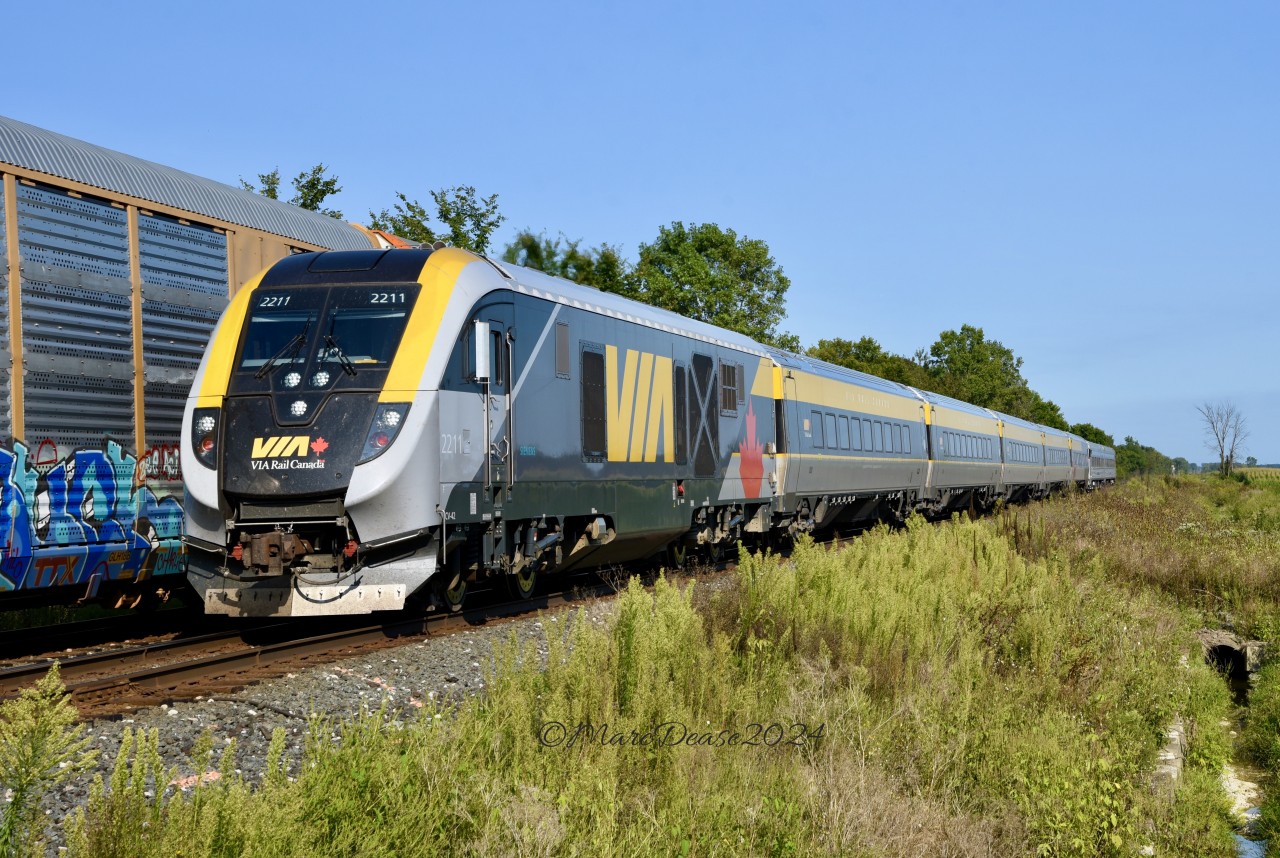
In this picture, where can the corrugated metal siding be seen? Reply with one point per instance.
(35, 148)
(76, 320)
(184, 289)
(6, 384)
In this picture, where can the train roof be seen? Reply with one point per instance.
(791, 360)
(32, 148)
(956, 404)
(1018, 421)
(542, 285)
(1056, 433)
(539, 284)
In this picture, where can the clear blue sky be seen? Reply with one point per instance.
(1096, 185)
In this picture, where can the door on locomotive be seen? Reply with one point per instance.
(496, 324)
(501, 548)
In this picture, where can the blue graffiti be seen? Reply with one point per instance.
(90, 514)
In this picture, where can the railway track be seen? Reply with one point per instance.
(25, 643)
(121, 680)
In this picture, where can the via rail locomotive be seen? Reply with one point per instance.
(370, 425)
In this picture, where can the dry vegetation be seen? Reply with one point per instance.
(997, 687)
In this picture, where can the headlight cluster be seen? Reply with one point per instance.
(387, 421)
(204, 436)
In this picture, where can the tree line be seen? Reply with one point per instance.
(712, 274)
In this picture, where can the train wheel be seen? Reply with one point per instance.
(523, 583)
(452, 594)
(677, 556)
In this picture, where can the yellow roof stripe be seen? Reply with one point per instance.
(222, 351)
(819, 391)
(961, 421)
(438, 277)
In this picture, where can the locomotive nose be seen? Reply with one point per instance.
(263, 458)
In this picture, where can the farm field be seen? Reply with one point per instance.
(999, 686)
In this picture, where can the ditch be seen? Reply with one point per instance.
(1242, 778)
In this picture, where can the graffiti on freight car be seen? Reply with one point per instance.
(162, 462)
(46, 454)
(64, 521)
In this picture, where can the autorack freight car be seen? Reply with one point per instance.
(370, 425)
(114, 272)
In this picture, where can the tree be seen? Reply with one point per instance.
(603, 267)
(962, 364)
(1251, 462)
(966, 365)
(270, 184)
(867, 355)
(312, 187)
(1046, 412)
(1133, 458)
(787, 341)
(1226, 430)
(465, 221)
(710, 274)
(1092, 433)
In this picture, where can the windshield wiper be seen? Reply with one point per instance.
(336, 350)
(291, 348)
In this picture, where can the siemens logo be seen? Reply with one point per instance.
(640, 406)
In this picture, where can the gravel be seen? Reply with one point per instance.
(447, 668)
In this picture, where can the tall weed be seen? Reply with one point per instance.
(974, 688)
(40, 746)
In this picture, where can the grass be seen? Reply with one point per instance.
(1213, 545)
(975, 688)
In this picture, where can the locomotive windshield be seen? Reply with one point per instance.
(348, 327)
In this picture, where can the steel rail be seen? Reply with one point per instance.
(13, 679)
(17, 644)
(114, 681)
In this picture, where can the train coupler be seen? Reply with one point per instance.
(270, 553)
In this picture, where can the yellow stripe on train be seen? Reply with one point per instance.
(222, 351)
(438, 277)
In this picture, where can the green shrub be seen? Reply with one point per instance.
(40, 746)
(992, 687)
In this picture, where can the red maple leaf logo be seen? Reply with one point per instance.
(319, 445)
(751, 461)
